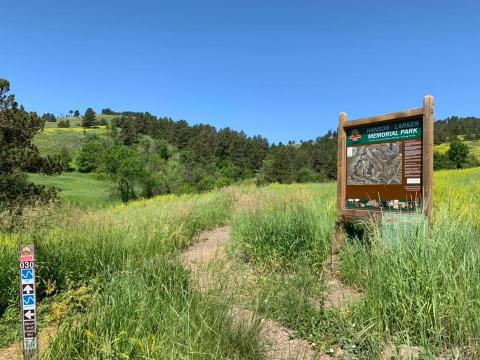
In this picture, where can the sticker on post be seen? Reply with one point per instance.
(28, 275)
(28, 302)
(30, 343)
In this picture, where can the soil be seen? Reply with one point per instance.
(210, 245)
(14, 351)
(337, 294)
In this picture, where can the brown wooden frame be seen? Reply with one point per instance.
(427, 162)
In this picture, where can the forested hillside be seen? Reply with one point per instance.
(146, 155)
(451, 127)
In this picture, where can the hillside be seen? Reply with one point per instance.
(53, 140)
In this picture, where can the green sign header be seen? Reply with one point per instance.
(393, 131)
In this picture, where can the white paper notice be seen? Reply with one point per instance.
(413, 181)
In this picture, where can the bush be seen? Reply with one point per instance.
(63, 124)
(307, 175)
(206, 184)
(222, 182)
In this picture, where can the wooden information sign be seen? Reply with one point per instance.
(385, 164)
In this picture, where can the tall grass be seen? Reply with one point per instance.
(286, 230)
(149, 311)
(419, 288)
(286, 239)
(145, 305)
(426, 289)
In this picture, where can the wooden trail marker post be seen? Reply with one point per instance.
(28, 301)
(384, 166)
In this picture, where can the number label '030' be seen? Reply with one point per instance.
(27, 265)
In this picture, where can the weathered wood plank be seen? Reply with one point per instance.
(427, 168)
(341, 169)
(384, 117)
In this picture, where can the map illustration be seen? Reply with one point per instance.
(375, 164)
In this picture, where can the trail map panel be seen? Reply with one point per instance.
(384, 166)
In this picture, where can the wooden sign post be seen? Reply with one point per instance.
(385, 165)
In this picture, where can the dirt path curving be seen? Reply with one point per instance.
(14, 351)
(210, 245)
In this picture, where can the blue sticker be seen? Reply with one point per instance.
(28, 300)
(27, 274)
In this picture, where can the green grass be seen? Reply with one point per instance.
(52, 140)
(77, 121)
(424, 291)
(143, 305)
(84, 190)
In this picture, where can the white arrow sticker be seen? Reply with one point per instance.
(27, 289)
(30, 314)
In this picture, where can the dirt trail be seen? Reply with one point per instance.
(337, 293)
(14, 351)
(281, 344)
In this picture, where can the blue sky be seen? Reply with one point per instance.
(282, 69)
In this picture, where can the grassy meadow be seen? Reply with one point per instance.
(82, 190)
(111, 279)
(52, 139)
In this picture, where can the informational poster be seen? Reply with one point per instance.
(384, 166)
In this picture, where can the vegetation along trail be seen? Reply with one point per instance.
(279, 339)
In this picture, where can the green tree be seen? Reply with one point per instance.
(129, 134)
(49, 117)
(18, 155)
(125, 167)
(76, 113)
(63, 124)
(458, 153)
(88, 118)
(90, 158)
(281, 168)
(441, 161)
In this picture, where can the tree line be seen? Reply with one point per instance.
(147, 155)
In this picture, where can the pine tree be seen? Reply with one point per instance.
(18, 155)
(88, 118)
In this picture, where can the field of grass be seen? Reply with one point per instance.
(77, 121)
(52, 140)
(84, 190)
(138, 302)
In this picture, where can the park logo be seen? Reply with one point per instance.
(355, 135)
(26, 250)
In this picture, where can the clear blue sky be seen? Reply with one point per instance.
(282, 69)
